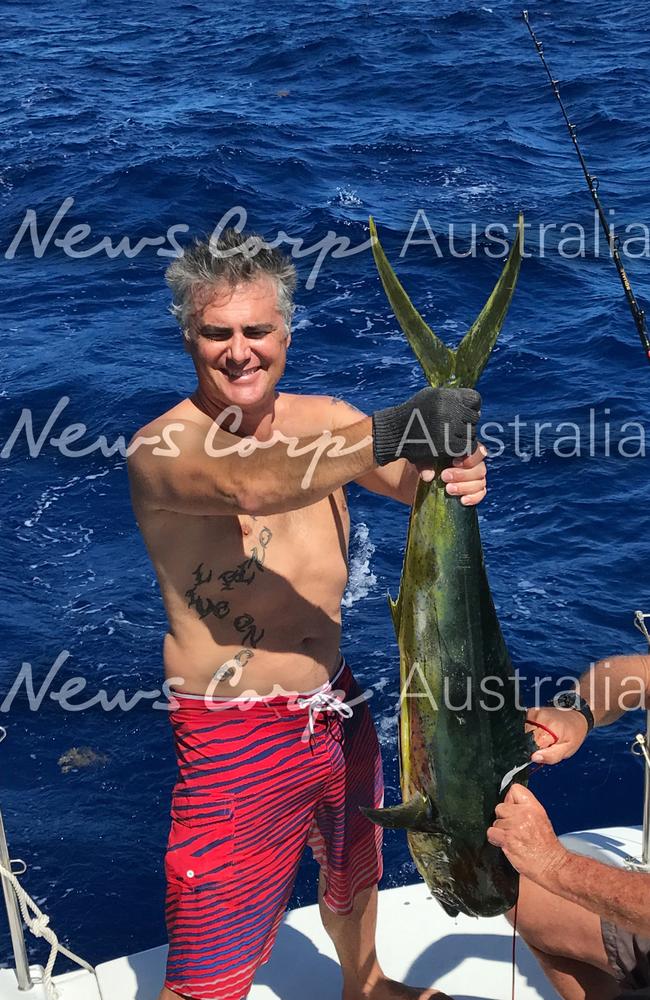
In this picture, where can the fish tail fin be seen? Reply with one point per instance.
(441, 364)
(416, 814)
(436, 358)
(473, 352)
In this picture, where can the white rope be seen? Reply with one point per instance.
(640, 744)
(639, 622)
(38, 925)
(640, 748)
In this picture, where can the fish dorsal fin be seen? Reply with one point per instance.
(395, 608)
(440, 363)
(435, 357)
(396, 605)
(417, 814)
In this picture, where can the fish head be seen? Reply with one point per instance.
(479, 884)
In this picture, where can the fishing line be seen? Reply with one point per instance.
(514, 948)
(592, 183)
(540, 725)
(556, 739)
(509, 776)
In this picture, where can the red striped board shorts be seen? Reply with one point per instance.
(260, 779)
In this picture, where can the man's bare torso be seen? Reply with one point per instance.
(253, 602)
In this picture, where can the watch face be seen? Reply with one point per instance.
(571, 699)
(568, 699)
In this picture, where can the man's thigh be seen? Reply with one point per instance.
(240, 819)
(559, 927)
(346, 844)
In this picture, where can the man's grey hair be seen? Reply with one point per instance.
(234, 258)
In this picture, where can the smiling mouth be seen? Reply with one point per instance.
(245, 376)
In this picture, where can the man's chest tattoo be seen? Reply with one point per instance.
(211, 604)
(246, 570)
(205, 605)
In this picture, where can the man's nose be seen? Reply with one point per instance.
(239, 350)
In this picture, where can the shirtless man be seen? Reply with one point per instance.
(588, 923)
(250, 551)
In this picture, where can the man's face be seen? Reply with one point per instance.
(239, 344)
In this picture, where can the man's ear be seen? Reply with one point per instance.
(288, 339)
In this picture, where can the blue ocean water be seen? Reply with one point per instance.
(156, 122)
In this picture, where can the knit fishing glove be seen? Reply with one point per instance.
(432, 425)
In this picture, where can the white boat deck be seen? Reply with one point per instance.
(418, 943)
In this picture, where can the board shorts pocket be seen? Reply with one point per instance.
(201, 840)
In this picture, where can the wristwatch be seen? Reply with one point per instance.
(571, 699)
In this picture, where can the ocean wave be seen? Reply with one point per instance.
(361, 579)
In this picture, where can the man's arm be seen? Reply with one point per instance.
(175, 466)
(181, 466)
(523, 831)
(399, 480)
(615, 686)
(610, 687)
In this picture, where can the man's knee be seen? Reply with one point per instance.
(528, 914)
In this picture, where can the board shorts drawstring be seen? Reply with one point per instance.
(322, 701)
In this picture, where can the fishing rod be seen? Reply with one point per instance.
(592, 182)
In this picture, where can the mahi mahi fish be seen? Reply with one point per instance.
(462, 736)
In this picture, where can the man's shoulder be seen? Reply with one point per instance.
(165, 431)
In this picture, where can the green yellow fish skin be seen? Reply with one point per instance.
(452, 761)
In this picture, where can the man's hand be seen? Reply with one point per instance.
(433, 424)
(524, 833)
(569, 726)
(465, 478)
